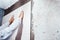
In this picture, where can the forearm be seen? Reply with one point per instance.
(15, 24)
(4, 26)
(9, 29)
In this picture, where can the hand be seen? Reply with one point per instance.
(11, 19)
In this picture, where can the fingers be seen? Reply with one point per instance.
(11, 19)
(21, 15)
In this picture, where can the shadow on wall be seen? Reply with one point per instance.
(16, 5)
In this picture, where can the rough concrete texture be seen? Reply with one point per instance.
(46, 19)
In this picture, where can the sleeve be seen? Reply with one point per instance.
(10, 29)
(4, 26)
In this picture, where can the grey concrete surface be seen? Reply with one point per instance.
(46, 19)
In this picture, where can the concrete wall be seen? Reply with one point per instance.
(46, 19)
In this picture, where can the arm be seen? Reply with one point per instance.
(10, 29)
(7, 24)
(4, 26)
(6, 32)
